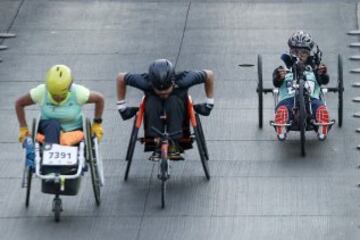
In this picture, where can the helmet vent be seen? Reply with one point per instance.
(61, 74)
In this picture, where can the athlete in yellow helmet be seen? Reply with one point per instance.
(61, 103)
(58, 81)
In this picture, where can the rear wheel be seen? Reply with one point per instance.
(28, 187)
(131, 148)
(302, 117)
(259, 90)
(95, 178)
(203, 159)
(202, 136)
(29, 170)
(340, 90)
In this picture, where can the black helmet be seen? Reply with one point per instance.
(161, 73)
(301, 39)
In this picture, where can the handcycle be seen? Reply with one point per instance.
(303, 120)
(60, 168)
(185, 143)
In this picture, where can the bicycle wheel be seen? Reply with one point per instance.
(259, 90)
(95, 178)
(340, 91)
(57, 208)
(30, 171)
(163, 193)
(202, 137)
(28, 187)
(204, 162)
(131, 148)
(302, 117)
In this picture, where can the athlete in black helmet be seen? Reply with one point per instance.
(164, 88)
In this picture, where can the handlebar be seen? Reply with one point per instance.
(166, 135)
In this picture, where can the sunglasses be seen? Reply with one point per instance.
(299, 52)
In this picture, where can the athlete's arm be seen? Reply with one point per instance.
(20, 105)
(98, 99)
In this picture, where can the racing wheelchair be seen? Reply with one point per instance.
(60, 168)
(303, 120)
(165, 139)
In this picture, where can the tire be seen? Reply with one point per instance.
(163, 176)
(204, 162)
(163, 193)
(259, 90)
(340, 91)
(302, 117)
(202, 136)
(28, 187)
(57, 208)
(95, 178)
(131, 148)
(29, 171)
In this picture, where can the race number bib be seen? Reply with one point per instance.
(290, 88)
(310, 86)
(58, 155)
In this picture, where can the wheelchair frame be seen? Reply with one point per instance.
(88, 155)
(302, 126)
(197, 135)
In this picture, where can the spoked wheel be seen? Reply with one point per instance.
(92, 161)
(340, 90)
(259, 90)
(131, 148)
(302, 117)
(202, 154)
(202, 136)
(57, 208)
(29, 170)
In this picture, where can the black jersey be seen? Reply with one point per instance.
(183, 80)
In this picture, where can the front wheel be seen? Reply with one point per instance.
(163, 193)
(302, 117)
(163, 176)
(57, 208)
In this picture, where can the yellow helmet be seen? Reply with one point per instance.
(58, 80)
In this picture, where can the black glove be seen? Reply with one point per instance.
(322, 70)
(128, 112)
(279, 73)
(203, 108)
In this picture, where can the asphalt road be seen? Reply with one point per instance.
(260, 188)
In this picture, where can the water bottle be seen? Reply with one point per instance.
(28, 145)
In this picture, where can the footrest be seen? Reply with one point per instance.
(272, 123)
(332, 122)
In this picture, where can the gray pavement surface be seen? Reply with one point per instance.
(260, 188)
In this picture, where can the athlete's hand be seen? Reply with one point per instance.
(128, 112)
(203, 108)
(97, 130)
(23, 133)
(280, 73)
(322, 69)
